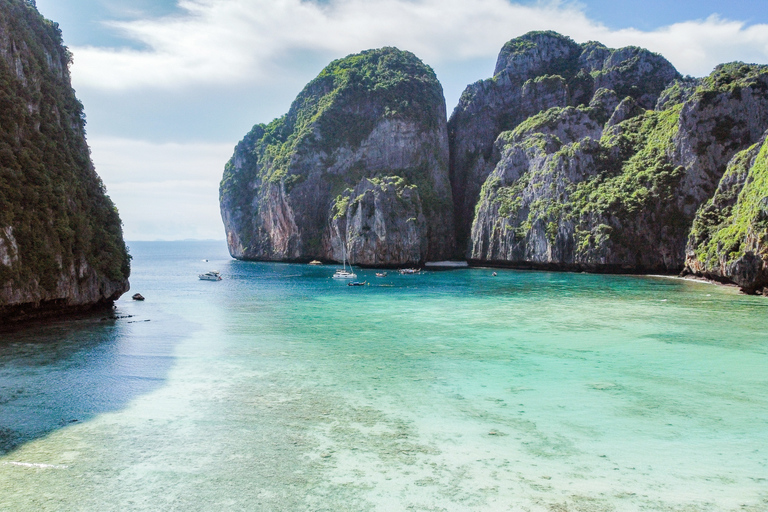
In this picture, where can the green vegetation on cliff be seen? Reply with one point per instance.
(614, 185)
(631, 168)
(732, 77)
(535, 73)
(628, 176)
(53, 208)
(376, 115)
(634, 168)
(735, 220)
(393, 83)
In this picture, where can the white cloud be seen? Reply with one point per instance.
(163, 191)
(696, 47)
(244, 41)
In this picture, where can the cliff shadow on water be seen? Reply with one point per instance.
(59, 373)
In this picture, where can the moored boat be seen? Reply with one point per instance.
(213, 275)
(343, 273)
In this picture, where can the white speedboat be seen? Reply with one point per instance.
(213, 275)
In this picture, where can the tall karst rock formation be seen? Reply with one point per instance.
(572, 157)
(608, 170)
(359, 165)
(61, 245)
(534, 73)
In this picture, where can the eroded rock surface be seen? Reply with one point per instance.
(359, 162)
(729, 238)
(536, 72)
(574, 190)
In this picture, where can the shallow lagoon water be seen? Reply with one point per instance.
(279, 388)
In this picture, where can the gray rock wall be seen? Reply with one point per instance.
(536, 72)
(574, 191)
(357, 175)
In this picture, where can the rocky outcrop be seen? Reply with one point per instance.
(61, 245)
(573, 156)
(582, 188)
(536, 72)
(358, 166)
(729, 237)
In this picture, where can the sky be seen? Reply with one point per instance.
(170, 86)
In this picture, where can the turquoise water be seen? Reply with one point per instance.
(279, 388)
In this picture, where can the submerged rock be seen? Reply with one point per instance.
(358, 166)
(61, 244)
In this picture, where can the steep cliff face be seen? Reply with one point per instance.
(587, 188)
(536, 72)
(729, 238)
(359, 164)
(61, 245)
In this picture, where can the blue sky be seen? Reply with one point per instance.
(170, 86)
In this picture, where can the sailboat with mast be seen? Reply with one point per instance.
(343, 273)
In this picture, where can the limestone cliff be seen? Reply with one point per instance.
(615, 185)
(534, 73)
(359, 164)
(61, 245)
(729, 238)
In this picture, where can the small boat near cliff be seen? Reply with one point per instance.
(213, 275)
(410, 271)
(343, 273)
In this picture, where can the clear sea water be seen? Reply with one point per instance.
(281, 389)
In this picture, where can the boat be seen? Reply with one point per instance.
(315, 262)
(213, 275)
(343, 273)
(381, 274)
(356, 283)
(407, 271)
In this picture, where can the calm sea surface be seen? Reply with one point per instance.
(281, 389)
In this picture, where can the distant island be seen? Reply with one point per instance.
(61, 243)
(571, 157)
